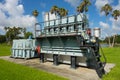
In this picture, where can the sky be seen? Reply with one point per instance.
(19, 13)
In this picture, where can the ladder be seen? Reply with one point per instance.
(98, 65)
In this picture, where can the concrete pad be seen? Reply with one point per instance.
(108, 67)
(64, 70)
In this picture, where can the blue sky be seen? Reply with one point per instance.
(19, 13)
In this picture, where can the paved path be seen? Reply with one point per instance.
(64, 70)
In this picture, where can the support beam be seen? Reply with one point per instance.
(73, 62)
(55, 59)
(42, 57)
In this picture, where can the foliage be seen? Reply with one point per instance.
(107, 9)
(117, 39)
(20, 72)
(83, 7)
(59, 11)
(27, 34)
(116, 14)
(54, 9)
(12, 32)
(35, 13)
(2, 38)
(24, 30)
(62, 12)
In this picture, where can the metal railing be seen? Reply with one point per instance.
(70, 25)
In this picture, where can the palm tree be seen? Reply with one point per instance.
(83, 7)
(35, 13)
(115, 14)
(63, 12)
(54, 9)
(59, 11)
(107, 9)
(5, 28)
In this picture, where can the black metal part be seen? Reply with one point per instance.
(73, 62)
(42, 57)
(55, 59)
(98, 64)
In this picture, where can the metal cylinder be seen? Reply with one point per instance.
(97, 32)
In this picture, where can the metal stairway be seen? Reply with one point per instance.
(99, 66)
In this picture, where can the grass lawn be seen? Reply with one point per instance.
(113, 56)
(12, 71)
(5, 49)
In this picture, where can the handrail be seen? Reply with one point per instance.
(67, 17)
(105, 59)
(49, 26)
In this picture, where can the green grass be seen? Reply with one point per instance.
(12, 71)
(113, 56)
(5, 49)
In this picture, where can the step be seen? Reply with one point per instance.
(98, 56)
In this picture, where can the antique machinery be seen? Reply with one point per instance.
(69, 40)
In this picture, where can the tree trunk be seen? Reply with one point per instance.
(113, 42)
(109, 42)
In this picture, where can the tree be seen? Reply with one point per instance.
(115, 14)
(63, 12)
(35, 13)
(107, 9)
(54, 9)
(12, 33)
(59, 11)
(27, 34)
(117, 39)
(2, 38)
(83, 7)
(24, 31)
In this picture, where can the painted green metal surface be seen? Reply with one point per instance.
(24, 48)
(64, 36)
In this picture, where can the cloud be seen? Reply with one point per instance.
(105, 29)
(12, 14)
(73, 3)
(117, 6)
(104, 25)
(112, 29)
(115, 24)
(2, 31)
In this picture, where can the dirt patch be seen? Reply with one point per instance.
(64, 70)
